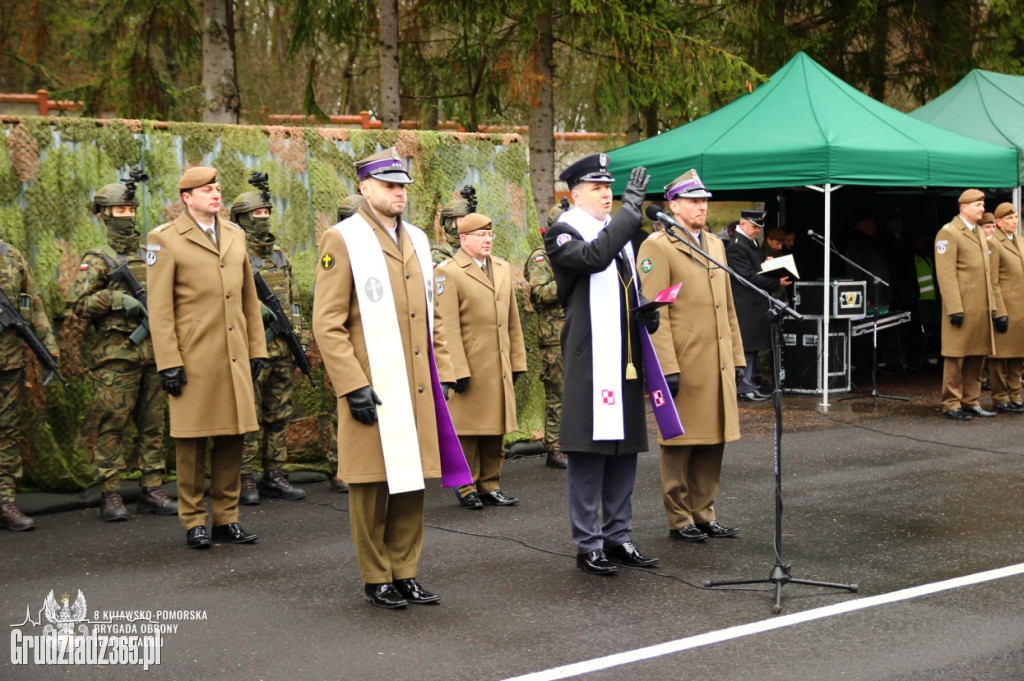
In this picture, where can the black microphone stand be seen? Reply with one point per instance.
(875, 281)
(779, 575)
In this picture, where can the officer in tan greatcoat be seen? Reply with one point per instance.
(476, 301)
(209, 344)
(970, 301)
(701, 354)
(353, 325)
(1007, 364)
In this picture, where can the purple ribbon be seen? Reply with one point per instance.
(657, 390)
(454, 469)
(376, 166)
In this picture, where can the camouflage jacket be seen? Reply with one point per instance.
(17, 283)
(272, 264)
(440, 252)
(543, 295)
(95, 297)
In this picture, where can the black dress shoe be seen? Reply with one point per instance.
(957, 415)
(629, 555)
(385, 596)
(716, 531)
(688, 533)
(470, 501)
(414, 593)
(232, 533)
(976, 410)
(596, 563)
(196, 538)
(1009, 408)
(753, 396)
(498, 498)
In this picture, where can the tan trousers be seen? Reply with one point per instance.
(1004, 375)
(225, 481)
(689, 482)
(961, 382)
(485, 455)
(387, 531)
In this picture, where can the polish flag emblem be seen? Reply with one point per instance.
(608, 396)
(659, 398)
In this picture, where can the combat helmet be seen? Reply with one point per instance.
(247, 202)
(458, 208)
(119, 193)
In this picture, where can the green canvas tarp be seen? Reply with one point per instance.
(985, 105)
(807, 127)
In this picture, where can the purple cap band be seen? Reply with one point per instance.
(683, 187)
(377, 166)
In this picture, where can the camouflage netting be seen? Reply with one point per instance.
(50, 167)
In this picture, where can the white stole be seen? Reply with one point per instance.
(606, 347)
(396, 420)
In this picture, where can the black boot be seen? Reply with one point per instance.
(273, 484)
(249, 495)
(112, 508)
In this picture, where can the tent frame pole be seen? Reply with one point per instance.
(827, 190)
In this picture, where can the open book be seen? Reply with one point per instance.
(780, 266)
(665, 297)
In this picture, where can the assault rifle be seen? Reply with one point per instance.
(124, 275)
(9, 316)
(281, 327)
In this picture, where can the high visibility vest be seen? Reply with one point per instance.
(925, 277)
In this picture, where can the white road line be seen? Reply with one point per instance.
(679, 645)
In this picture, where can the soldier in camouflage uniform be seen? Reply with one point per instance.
(16, 282)
(550, 320)
(350, 205)
(275, 385)
(126, 382)
(450, 214)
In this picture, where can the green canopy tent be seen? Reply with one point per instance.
(805, 127)
(985, 105)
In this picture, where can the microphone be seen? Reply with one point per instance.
(811, 232)
(655, 215)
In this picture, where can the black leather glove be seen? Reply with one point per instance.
(462, 384)
(1002, 324)
(171, 380)
(651, 319)
(362, 403)
(256, 367)
(516, 375)
(957, 319)
(739, 373)
(446, 387)
(636, 189)
(673, 384)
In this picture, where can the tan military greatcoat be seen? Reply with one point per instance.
(485, 341)
(1010, 273)
(698, 338)
(963, 273)
(204, 315)
(338, 329)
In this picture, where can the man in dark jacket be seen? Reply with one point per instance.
(746, 258)
(603, 415)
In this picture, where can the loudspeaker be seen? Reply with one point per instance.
(802, 355)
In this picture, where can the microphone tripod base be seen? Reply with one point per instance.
(780, 576)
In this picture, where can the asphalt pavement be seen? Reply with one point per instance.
(923, 514)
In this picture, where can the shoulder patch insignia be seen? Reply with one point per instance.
(152, 247)
(441, 277)
(539, 258)
(327, 261)
(84, 266)
(440, 288)
(646, 265)
(563, 238)
(150, 257)
(940, 246)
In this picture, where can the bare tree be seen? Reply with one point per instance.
(220, 80)
(542, 117)
(390, 87)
